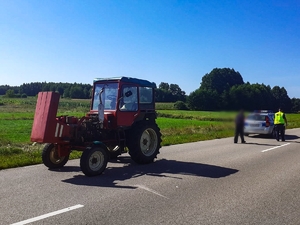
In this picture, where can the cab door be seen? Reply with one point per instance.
(128, 106)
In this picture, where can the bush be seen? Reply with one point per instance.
(164, 105)
(23, 95)
(180, 105)
(10, 93)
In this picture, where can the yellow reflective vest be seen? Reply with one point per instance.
(279, 118)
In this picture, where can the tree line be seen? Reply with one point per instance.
(169, 93)
(225, 89)
(164, 93)
(66, 90)
(221, 89)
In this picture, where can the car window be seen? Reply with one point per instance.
(256, 117)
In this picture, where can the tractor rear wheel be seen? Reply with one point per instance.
(144, 142)
(93, 161)
(51, 159)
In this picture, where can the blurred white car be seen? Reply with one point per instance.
(260, 122)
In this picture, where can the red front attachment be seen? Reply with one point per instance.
(46, 127)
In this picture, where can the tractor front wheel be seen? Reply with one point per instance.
(144, 142)
(51, 159)
(93, 161)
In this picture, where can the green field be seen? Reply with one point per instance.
(16, 118)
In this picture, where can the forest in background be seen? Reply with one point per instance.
(221, 89)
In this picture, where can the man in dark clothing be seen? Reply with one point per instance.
(239, 127)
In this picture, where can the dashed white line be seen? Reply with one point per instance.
(48, 215)
(150, 190)
(269, 149)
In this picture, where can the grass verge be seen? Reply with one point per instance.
(178, 131)
(12, 156)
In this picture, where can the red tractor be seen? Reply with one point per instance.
(122, 116)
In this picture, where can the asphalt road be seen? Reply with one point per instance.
(209, 182)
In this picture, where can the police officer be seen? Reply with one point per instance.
(279, 121)
(239, 127)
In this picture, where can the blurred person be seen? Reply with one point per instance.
(279, 121)
(239, 127)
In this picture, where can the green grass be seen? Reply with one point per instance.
(293, 120)
(28, 105)
(23, 156)
(197, 115)
(16, 118)
(14, 157)
(15, 131)
(171, 123)
(16, 115)
(177, 131)
(164, 105)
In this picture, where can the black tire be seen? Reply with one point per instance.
(51, 159)
(144, 142)
(93, 161)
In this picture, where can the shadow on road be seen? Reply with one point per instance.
(291, 137)
(160, 168)
(264, 136)
(67, 169)
(288, 138)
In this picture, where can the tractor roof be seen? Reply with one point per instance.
(140, 82)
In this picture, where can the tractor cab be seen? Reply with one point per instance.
(119, 101)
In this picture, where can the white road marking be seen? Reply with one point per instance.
(269, 149)
(48, 215)
(150, 190)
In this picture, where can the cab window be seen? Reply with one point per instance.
(129, 98)
(108, 93)
(146, 95)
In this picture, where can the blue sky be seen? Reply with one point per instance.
(158, 40)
